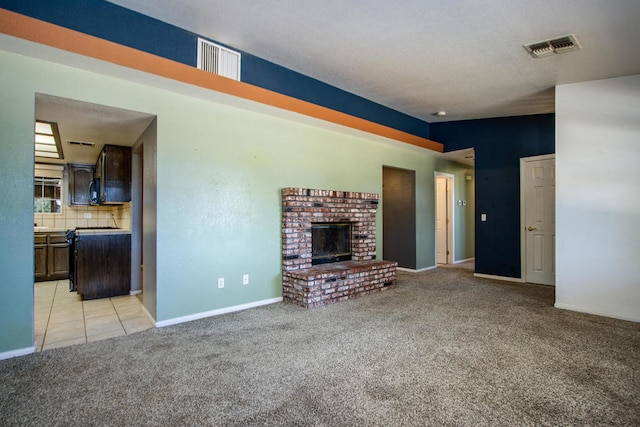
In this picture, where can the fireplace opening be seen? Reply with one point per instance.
(330, 242)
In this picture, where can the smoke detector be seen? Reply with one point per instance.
(544, 48)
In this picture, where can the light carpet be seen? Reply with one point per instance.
(441, 348)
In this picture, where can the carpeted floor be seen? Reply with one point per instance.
(442, 348)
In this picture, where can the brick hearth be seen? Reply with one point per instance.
(311, 286)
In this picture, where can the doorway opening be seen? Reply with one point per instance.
(444, 218)
(84, 128)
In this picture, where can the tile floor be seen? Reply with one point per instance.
(63, 319)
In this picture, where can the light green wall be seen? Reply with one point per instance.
(16, 216)
(470, 217)
(464, 219)
(224, 180)
(149, 214)
(219, 174)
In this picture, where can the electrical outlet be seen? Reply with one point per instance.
(245, 279)
(87, 215)
(221, 282)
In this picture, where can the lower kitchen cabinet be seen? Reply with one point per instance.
(58, 256)
(51, 256)
(40, 257)
(102, 265)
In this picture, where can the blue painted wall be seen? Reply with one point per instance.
(120, 25)
(499, 144)
(112, 22)
(258, 72)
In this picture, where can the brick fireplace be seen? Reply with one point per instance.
(309, 285)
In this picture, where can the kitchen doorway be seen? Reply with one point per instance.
(84, 128)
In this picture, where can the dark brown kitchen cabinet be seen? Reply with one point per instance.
(80, 180)
(102, 265)
(40, 257)
(58, 256)
(113, 173)
(51, 256)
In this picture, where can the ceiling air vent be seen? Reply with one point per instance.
(82, 144)
(549, 47)
(218, 59)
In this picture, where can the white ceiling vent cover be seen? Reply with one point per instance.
(549, 47)
(218, 59)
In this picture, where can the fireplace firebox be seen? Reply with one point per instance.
(330, 242)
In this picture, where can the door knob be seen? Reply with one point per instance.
(530, 228)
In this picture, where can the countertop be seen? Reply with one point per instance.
(82, 231)
(48, 230)
(99, 231)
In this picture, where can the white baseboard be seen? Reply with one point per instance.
(411, 270)
(17, 353)
(595, 312)
(138, 292)
(464, 260)
(217, 312)
(503, 278)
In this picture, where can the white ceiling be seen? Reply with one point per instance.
(422, 56)
(85, 122)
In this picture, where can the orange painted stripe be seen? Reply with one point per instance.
(41, 32)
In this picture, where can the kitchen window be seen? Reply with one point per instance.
(47, 189)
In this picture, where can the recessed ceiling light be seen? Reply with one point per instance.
(440, 113)
(47, 140)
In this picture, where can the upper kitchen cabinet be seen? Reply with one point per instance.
(113, 174)
(80, 181)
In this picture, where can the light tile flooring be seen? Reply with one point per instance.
(63, 319)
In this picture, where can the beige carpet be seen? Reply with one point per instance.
(442, 348)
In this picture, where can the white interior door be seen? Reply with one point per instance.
(539, 221)
(443, 220)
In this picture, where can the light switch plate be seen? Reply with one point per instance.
(245, 279)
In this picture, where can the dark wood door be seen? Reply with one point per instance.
(58, 257)
(80, 177)
(40, 259)
(399, 216)
(51, 256)
(115, 174)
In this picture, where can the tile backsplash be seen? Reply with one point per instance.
(76, 216)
